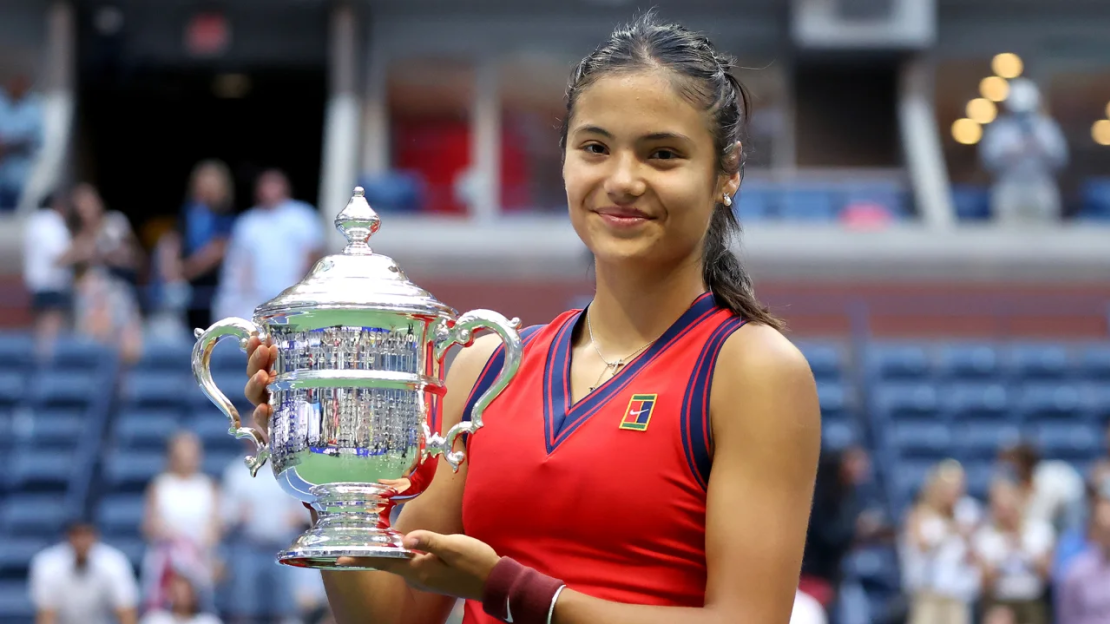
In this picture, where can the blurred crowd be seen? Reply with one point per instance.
(1036, 551)
(21, 136)
(87, 271)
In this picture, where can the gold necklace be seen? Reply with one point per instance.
(610, 366)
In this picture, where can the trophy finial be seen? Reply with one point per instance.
(358, 222)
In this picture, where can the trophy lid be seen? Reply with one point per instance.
(357, 278)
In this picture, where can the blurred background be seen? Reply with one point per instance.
(926, 202)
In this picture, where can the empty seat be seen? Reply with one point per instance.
(16, 554)
(132, 546)
(754, 205)
(13, 388)
(807, 205)
(227, 356)
(896, 401)
(980, 474)
(120, 514)
(17, 351)
(75, 353)
(1098, 401)
(969, 361)
(1068, 441)
(978, 401)
(34, 515)
(833, 398)
(826, 360)
(131, 472)
(984, 439)
(148, 429)
(898, 362)
(166, 355)
(30, 469)
(15, 603)
(214, 432)
(1038, 361)
(921, 439)
(62, 388)
(217, 461)
(839, 434)
(156, 388)
(1048, 400)
(909, 477)
(57, 428)
(1094, 361)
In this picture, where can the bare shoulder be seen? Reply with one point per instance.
(759, 371)
(470, 361)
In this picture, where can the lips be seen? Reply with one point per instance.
(623, 212)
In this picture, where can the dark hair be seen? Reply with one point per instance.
(704, 78)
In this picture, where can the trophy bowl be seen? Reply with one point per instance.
(358, 383)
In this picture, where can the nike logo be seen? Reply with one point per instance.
(637, 413)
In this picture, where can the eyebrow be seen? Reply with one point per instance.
(654, 136)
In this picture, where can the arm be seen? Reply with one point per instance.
(45, 616)
(766, 426)
(205, 259)
(382, 598)
(127, 616)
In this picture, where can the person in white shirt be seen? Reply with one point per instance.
(807, 610)
(1015, 553)
(272, 246)
(21, 134)
(48, 268)
(83, 581)
(184, 607)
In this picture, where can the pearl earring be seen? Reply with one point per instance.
(728, 201)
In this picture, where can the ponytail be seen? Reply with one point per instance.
(725, 277)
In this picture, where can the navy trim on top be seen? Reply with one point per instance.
(697, 434)
(561, 418)
(493, 369)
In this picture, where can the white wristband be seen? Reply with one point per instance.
(554, 599)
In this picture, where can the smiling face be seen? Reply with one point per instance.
(641, 170)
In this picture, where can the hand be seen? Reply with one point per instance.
(260, 373)
(399, 485)
(452, 565)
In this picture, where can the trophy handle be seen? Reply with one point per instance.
(202, 362)
(462, 332)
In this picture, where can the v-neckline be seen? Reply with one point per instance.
(561, 418)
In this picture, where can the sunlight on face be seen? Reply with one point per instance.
(640, 170)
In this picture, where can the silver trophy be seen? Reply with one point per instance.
(359, 376)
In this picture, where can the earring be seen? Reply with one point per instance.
(728, 201)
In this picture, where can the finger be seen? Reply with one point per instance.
(426, 541)
(261, 417)
(252, 345)
(255, 390)
(258, 359)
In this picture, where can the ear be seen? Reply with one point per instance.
(731, 183)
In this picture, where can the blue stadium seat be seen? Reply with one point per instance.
(1049, 400)
(980, 474)
(15, 603)
(896, 401)
(227, 356)
(31, 470)
(131, 472)
(216, 461)
(34, 515)
(972, 203)
(16, 554)
(120, 514)
(827, 360)
(807, 205)
(17, 351)
(166, 355)
(978, 400)
(158, 388)
(909, 477)
(148, 429)
(62, 388)
(982, 440)
(1095, 362)
(1078, 442)
(754, 205)
(213, 433)
(132, 546)
(833, 398)
(58, 429)
(889, 195)
(1031, 361)
(75, 353)
(1098, 400)
(839, 434)
(898, 362)
(13, 388)
(921, 439)
(962, 361)
(1095, 193)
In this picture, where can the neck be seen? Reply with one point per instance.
(632, 308)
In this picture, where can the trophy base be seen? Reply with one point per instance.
(350, 523)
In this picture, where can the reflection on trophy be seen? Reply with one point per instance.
(359, 374)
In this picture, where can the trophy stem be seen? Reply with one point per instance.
(350, 523)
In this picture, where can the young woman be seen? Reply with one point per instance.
(664, 440)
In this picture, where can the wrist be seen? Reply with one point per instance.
(519, 594)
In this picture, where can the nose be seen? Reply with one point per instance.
(624, 182)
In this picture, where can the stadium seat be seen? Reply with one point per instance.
(960, 361)
(972, 203)
(158, 388)
(17, 352)
(34, 515)
(227, 356)
(980, 474)
(898, 362)
(131, 472)
(921, 439)
(827, 360)
(147, 429)
(15, 602)
(909, 477)
(31, 470)
(1033, 361)
(1048, 400)
(1079, 442)
(1098, 401)
(57, 429)
(1095, 362)
(978, 400)
(834, 399)
(76, 353)
(807, 205)
(217, 461)
(120, 514)
(839, 434)
(166, 355)
(63, 388)
(896, 401)
(132, 546)
(212, 429)
(16, 553)
(982, 440)
(13, 389)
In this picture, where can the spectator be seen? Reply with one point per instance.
(20, 138)
(1085, 592)
(47, 269)
(807, 610)
(940, 573)
(184, 607)
(206, 223)
(181, 524)
(1015, 554)
(1052, 491)
(83, 581)
(260, 520)
(272, 247)
(1024, 149)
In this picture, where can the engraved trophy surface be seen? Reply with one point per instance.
(359, 376)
